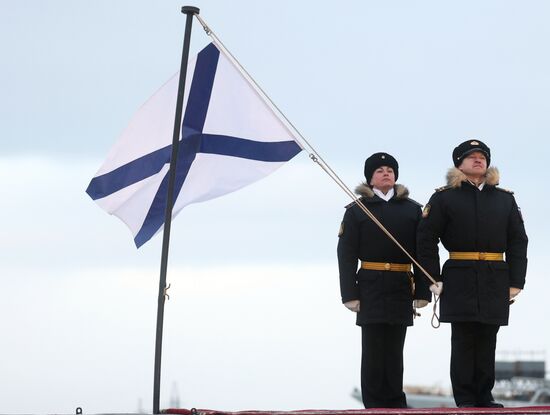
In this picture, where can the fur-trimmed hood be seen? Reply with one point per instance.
(401, 192)
(455, 177)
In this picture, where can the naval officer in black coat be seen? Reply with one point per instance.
(481, 226)
(383, 289)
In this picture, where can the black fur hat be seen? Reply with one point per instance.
(469, 146)
(379, 160)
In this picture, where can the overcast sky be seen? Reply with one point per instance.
(254, 319)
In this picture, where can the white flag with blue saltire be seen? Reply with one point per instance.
(229, 138)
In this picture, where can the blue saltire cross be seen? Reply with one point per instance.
(193, 141)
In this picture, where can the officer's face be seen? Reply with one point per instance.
(474, 164)
(383, 178)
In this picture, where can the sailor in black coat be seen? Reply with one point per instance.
(383, 289)
(481, 226)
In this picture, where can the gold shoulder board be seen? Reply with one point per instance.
(352, 203)
(440, 189)
(505, 190)
(349, 205)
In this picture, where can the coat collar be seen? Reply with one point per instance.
(364, 190)
(455, 177)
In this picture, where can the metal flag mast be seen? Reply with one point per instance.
(189, 11)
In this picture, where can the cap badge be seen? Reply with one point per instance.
(474, 143)
(383, 156)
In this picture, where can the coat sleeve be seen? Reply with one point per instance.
(348, 255)
(516, 248)
(421, 283)
(430, 229)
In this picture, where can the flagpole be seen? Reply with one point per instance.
(190, 11)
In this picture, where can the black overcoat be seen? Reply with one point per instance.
(386, 296)
(467, 219)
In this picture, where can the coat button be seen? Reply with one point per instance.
(387, 266)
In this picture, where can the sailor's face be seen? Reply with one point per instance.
(383, 178)
(474, 164)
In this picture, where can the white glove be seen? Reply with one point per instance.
(513, 292)
(420, 303)
(437, 288)
(353, 305)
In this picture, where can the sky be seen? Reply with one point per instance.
(254, 319)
